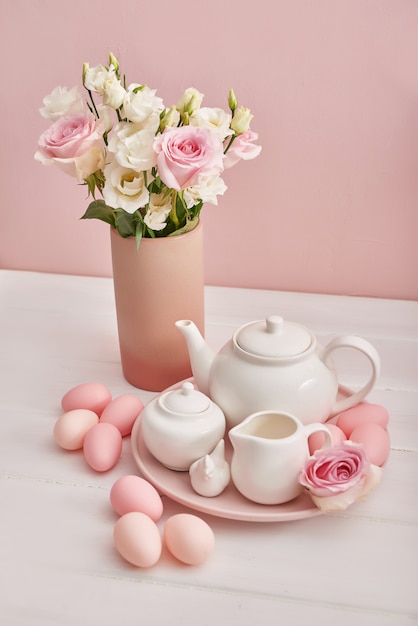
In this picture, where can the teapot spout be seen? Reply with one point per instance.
(200, 354)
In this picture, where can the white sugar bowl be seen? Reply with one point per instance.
(182, 425)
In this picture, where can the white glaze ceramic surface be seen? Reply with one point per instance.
(270, 448)
(180, 425)
(58, 562)
(230, 504)
(275, 364)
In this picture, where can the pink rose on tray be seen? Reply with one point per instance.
(186, 154)
(338, 476)
(75, 144)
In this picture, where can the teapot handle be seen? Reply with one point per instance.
(351, 341)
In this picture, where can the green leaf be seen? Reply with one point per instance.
(125, 223)
(98, 209)
(138, 235)
(190, 225)
(157, 185)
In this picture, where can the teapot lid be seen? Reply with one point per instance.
(273, 338)
(186, 400)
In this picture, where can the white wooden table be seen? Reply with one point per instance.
(57, 560)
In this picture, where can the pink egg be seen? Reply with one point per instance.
(375, 440)
(189, 538)
(316, 440)
(92, 396)
(71, 428)
(122, 413)
(137, 539)
(133, 493)
(102, 447)
(360, 414)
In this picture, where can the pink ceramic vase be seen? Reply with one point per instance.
(154, 287)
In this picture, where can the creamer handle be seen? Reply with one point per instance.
(357, 343)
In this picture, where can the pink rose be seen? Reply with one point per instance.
(337, 476)
(185, 153)
(242, 148)
(75, 144)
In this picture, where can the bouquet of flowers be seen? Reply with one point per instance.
(154, 167)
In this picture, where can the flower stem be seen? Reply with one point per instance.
(229, 144)
(93, 103)
(173, 212)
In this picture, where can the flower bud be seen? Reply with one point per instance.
(192, 104)
(232, 100)
(169, 117)
(86, 68)
(190, 101)
(113, 61)
(241, 120)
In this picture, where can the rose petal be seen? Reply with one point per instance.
(339, 501)
(373, 478)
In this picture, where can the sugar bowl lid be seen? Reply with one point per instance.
(273, 338)
(186, 400)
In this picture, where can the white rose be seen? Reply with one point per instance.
(159, 209)
(142, 106)
(214, 118)
(124, 188)
(62, 102)
(105, 82)
(207, 190)
(133, 146)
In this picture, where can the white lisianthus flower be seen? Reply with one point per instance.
(124, 188)
(214, 118)
(62, 102)
(190, 101)
(88, 163)
(104, 81)
(159, 209)
(106, 114)
(133, 146)
(141, 106)
(207, 190)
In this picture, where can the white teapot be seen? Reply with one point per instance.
(274, 364)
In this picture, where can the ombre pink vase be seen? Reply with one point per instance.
(154, 287)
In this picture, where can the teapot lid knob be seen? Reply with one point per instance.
(274, 324)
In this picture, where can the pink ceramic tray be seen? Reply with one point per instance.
(230, 504)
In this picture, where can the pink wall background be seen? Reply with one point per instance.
(331, 204)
